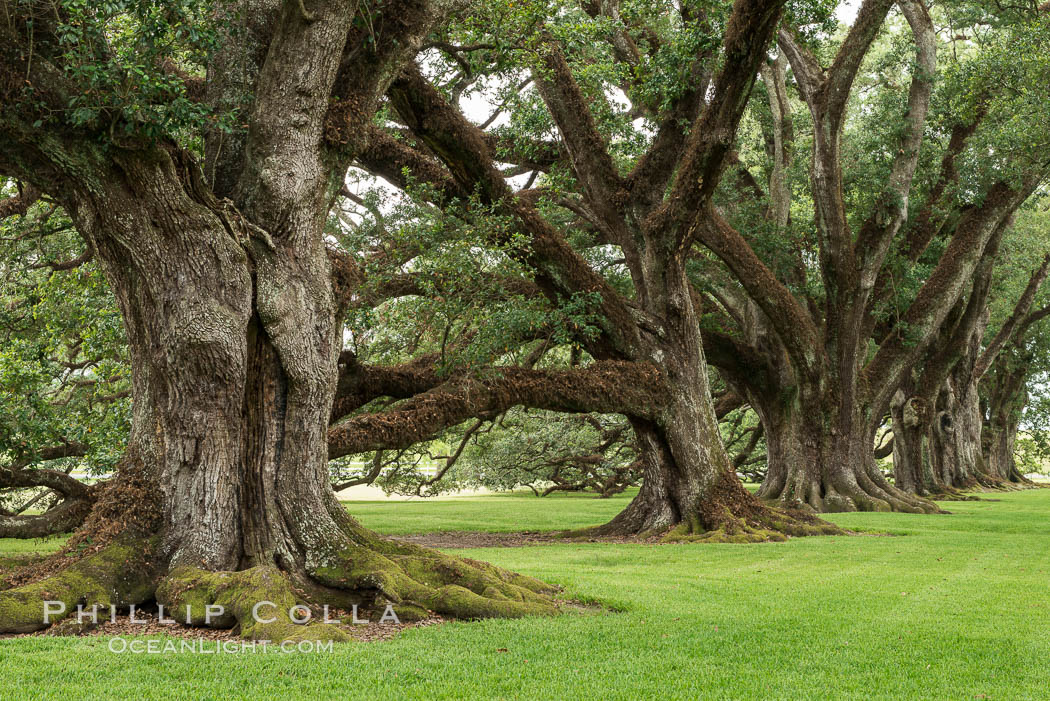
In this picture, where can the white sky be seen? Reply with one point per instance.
(847, 11)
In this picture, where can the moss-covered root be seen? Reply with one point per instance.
(728, 513)
(722, 524)
(416, 579)
(952, 494)
(260, 600)
(731, 514)
(118, 575)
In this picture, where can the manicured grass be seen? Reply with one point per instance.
(955, 609)
(498, 513)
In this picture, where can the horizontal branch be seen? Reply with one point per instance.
(635, 389)
(76, 497)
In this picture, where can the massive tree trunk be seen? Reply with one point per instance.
(822, 454)
(1006, 402)
(1001, 462)
(691, 490)
(234, 352)
(912, 468)
(820, 437)
(954, 437)
(234, 332)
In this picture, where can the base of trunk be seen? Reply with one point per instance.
(728, 513)
(995, 483)
(803, 491)
(838, 476)
(121, 568)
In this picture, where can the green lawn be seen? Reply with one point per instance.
(956, 608)
(504, 512)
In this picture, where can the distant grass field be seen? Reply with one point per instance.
(498, 513)
(956, 608)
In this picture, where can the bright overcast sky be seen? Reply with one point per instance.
(846, 11)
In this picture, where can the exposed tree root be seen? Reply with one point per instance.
(117, 575)
(860, 491)
(369, 570)
(728, 514)
(735, 515)
(259, 600)
(415, 579)
(943, 493)
(993, 483)
(767, 525)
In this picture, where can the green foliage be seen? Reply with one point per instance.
(129, 61)
(548, 452)
(64, 371)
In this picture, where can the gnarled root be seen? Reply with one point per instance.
(415, 579)
(952, 494)
(728, 514)
(367, 570)
(863, 491)
(260, 600)
(994, 483)
(734, 515)
(117, 575)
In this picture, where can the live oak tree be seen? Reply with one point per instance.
(822, 321)
(1010, 391)
(937, 417)
(686, 69)
(229, 296)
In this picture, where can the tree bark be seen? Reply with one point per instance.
(234, 334)
(691, 490)
(822, 457)
(1007, 399)
(820, 440)
(954, 438)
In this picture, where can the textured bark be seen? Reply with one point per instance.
(690, 487)
(912, 469)
(836, 468)
(820, 393)
(233, 330)
(1007, 398)
(955, 441)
